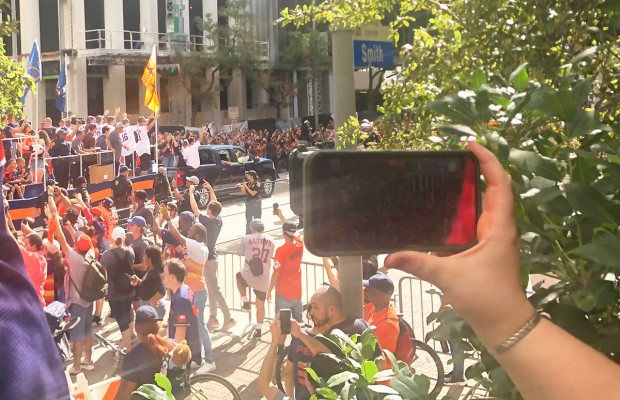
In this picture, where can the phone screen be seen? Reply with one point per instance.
(285, 321)
(376, 202)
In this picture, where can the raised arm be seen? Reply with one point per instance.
(331, 275)
(192, 202)
(173, 229)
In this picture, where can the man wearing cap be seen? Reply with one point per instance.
(260, 246)
(213, 224)
(379, 312)
(136, 226)
(76, 260)
(161, 185)
(196, 251)
(190, 153)
(62, 166)
(183, 196)
(128, 140)
(286, 277)
(122, 189)
(143, 144)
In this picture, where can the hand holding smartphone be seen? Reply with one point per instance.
(275, 208)
(285, 321)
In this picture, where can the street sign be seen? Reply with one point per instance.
(372, 47)
(233, 113)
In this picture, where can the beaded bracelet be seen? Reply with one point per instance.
(518, 335)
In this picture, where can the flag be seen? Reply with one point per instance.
(149, 79)
(61, 88)
(33, 69)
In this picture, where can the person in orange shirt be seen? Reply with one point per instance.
(379, 312)
(35, 263)
(286, 277)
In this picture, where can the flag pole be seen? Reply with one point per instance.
(156, 119)
(64, 65)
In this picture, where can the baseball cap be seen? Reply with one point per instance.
(123, 168)
(187, 217)
(141, 119)
(253, 173)
(380, 282)
(118, 233)
(52, 247)
(108, 203)
(161, 170)
(84, 243)
(137, 221)
(257, 225)
(119, 125)
(146, 314)
(289, 228)
(194, 180)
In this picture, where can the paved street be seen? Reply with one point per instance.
(239, 358)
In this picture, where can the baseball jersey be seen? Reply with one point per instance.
(143, 145)
(129, 141)
(257, 244)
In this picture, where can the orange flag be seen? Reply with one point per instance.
(149, 80)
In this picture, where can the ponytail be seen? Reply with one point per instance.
(158, 345)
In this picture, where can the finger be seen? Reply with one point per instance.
(498, 199)
(421, 265)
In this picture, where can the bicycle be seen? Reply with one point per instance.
(211, 387)
(426, 361)
(118, 352)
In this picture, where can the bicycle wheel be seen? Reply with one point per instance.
(212, 387)
(279, 368)
(427, 362)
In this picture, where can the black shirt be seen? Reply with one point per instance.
(152, 284)
(213, 226)
(254, 186)
(121, 187)
(61, 148)
(145, 213)
(140, 365)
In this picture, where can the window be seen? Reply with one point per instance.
(132, 95)
(206, 157)
(224, 155)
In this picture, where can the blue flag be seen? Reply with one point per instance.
(34, 68)
(61, 88)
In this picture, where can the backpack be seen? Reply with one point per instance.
(405, 350)
(95, 282)
(178, 377)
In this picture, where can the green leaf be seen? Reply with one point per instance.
(478, 79)
(369, 369)
(584, 170)
(581, 91)
(588, 201)
(519, 77)
(583, 123)
(533, 163)
(340, 378)
(604, 249)
(163, 382)
(584, 54)
(151, 392)
(552, 201)
(382, 389)
(327, 393)
(596, 295)
(457, 130)
(611, 6)
(456, 108)
(554, 103)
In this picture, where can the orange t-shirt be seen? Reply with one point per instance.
(36, 267)
(386, 323)
(288, 262)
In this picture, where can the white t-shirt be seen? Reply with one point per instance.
(257, 244)
(196, 251)
(129, 141)
(143, 145)
(191, 156)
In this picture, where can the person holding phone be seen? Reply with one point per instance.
(543, 360)
(251, 188)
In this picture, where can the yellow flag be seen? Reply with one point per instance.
(149, 79)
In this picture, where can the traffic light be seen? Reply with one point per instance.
(168, 69)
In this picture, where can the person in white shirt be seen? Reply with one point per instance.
(258, 246)
(128, 139)
(190, 153)
(143, 144)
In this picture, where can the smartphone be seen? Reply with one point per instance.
(375, 202)
(275, 208)
(285, 321)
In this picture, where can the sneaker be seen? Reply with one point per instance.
(206, 367)
(257, 334)
(73, 372)
(213, 325)
(87, 366)
(246, 306)
(228, 324)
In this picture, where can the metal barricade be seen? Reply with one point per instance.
(416, 304)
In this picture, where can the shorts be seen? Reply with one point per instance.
(121, 312)
(293, 305)
(262, 296)
(84, 329)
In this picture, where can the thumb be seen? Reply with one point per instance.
(422, 265)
